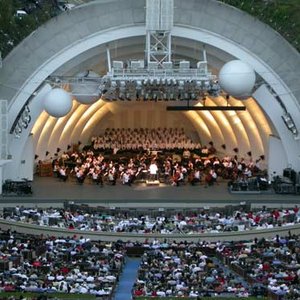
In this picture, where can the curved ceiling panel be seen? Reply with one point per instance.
(54, 139)
(241, 130)
(229, 137)
(255, 140)
(83, 119)
(92, 121)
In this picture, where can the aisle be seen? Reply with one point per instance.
(127, 278)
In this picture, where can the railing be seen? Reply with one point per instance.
(114, 236)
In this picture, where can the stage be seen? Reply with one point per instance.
(49, 191)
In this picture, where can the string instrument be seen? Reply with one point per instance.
(191, 176)
(176, 176)
(208, 178)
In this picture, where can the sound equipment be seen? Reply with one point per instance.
(291, 174)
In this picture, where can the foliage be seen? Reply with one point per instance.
(202, 298)
(14, 28)
(281, 15)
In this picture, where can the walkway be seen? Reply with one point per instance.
(127, 278)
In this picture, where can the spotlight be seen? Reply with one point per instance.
(290, 124)
(17, 133)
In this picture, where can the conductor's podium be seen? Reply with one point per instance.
(152, 182)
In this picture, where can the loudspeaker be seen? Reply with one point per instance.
(291, 174)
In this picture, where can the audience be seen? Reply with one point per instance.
(168, 268)
(67, 265)
(274, 263)
(183, 272)
(199, 221)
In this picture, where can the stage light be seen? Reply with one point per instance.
(22, 121)
(135, 78)
(290, 124)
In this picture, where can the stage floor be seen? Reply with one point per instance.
(50, 191)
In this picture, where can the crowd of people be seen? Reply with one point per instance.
(120, 139)
(168, 268)
(48, 264)
(190, 222)
(260, 267)
(274, 263)
(170, 167)
(177, 271)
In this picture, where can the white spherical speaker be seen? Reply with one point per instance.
(58, 102)
(237, 78)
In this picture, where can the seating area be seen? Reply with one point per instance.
(169, 268)
(184, 270)
(49, 265)
(193, 221)
(258, 267)
(274, 264)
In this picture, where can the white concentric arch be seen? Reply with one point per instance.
(74, 49)
(113, 34)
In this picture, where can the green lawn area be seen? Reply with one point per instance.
(212, 298)
(58, 296)
(282, 15)
(61, 296)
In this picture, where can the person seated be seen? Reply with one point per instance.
(214, 176)
(126, 178)
(195, 177)
(97, 177)
(80, 175)
(62, 174)
(208, 179)
(178, 177)
(111, 177)
(56, 169)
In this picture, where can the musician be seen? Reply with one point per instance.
(194, 177)
(112, 178)
(153, 169)
(126, 178)
(80, 175)
(63, 173)
(211, 177)
(178, 177)
(97, 176)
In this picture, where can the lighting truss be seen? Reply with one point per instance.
(157, 78)
(168, 83)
